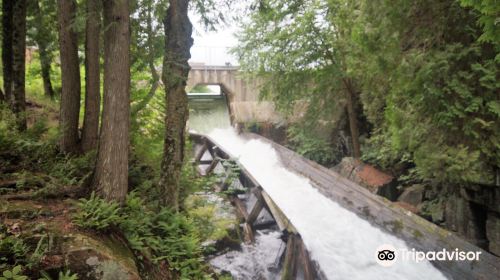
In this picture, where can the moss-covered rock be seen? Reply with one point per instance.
(46, 230)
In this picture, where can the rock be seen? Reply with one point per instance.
(89, 255)
(99, 258)
(368, 176)
(485, 195)
(465, 218)
(407, 206)
(413, 195)
(433, 210)
(493, 233)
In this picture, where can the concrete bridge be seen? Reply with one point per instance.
(242, 93)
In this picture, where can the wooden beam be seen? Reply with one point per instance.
(279, 217)
(257, 208)
(289, 267)
(200, 153)
(305, 261)
(249, 238)
(212, 166)
(246, 179)
(240, 206)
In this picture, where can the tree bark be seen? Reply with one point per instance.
(111, 172)
(178, 43)
(45, 58)
(19, 62)
(7, 51)
(70, 76)
(353, 120)
(92, 77)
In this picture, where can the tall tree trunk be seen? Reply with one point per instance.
(70, 76)
(178, 43)
(92, 77)
(45, 58)
(19, 62)
(111, 172)
(353, 119)
(7, 51)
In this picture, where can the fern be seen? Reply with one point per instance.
(97, 213)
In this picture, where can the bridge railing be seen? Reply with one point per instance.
(295, 257)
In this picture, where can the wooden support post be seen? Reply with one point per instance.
(248, 234)
(305, 261)
(240, 206)
(200, 153)
(289, 267)
(210, 148)
(212, 166)
(257, 208)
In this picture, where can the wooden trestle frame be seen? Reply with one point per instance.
(295, 254)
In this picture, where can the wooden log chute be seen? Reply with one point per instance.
(295, 255)
(414, 230)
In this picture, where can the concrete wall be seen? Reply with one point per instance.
(242, 93)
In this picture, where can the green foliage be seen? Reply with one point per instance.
(427, 74)
(163, 235)
(13, 250)
(310, 146)
(13, 274)
(96, 213)
(157, 234)
(16, 251)
(67, 275)
(210, 225)
(439, 95)
(201, 89)
(489, 11)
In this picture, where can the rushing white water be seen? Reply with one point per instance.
(343, 244)
(257, 261)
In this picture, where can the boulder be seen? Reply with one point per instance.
(465, 218)
(493, 233)
(103, 258)
(433, 210)
(407, 206)
(368, 176)
(413, 195)
(90, 255)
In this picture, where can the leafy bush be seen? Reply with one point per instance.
(310, 146)
(97, 213)
(13, 274)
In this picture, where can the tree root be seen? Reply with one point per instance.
(82, 190)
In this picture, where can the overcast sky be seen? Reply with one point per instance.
(212, 47)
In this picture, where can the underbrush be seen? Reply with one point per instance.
(34, 153)
(157, 235)
(19, 257)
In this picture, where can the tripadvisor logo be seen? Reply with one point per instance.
(387, 255)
